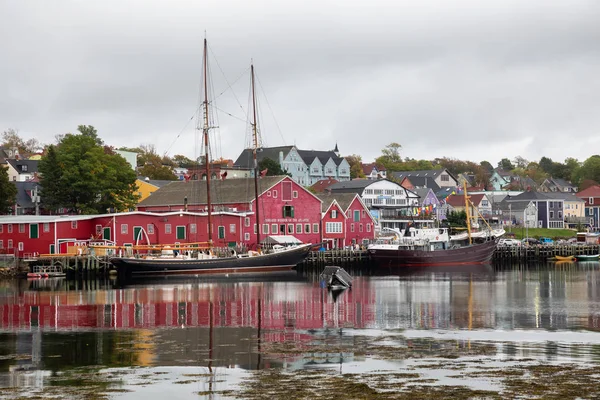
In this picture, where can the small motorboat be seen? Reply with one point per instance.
(563, 258)
(588, 257)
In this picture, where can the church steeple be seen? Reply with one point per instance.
(336, 151)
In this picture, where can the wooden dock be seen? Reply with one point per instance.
(542, 253)
(92, 266)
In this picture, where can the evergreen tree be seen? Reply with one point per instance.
(52, 192)
(8, 192)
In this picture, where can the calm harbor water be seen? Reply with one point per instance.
(207, 335)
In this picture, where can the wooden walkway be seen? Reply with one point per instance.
(542, 253)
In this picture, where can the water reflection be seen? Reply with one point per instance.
(224, 321)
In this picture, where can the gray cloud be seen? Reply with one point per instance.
(465, 79)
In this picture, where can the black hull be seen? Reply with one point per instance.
(284, 260)
(473, 254)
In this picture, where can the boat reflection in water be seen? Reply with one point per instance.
(230, 320)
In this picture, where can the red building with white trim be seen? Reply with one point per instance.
(346, 220)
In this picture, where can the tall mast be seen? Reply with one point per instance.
(468, 211)
(255, 137)
(206, 149)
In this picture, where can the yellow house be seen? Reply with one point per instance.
(574, 208)
(148, 186)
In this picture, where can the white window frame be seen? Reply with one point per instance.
(193, 228)
(231, 228)
(247, 236)
(124, 229)
(315, 228)
(46, 228)
(168, 229)
(150, 229)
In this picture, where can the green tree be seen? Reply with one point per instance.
(457, 218)
(184, 162)
(96, 180)
(52, 195)
(590, 169)
(486, 165)
(390, 157)
(273, 168)
(506, 165)
(8, 192)
(355, 162)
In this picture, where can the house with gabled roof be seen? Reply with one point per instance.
(591, 196)
(390, 204)
(420, 182)
(285, 207)
(500, 178)
(21, 170)
(28, 198)
(573, 208)
(322, 185)
(147, 186)
(373, 171)
(550, 212)
(441, 177)
(346, 220)
(557, 185)
(480, 201)
(304, 166)
(428, 201)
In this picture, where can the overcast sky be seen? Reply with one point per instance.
(467, 79)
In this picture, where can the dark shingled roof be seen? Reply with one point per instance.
(353, 186)
(528, 196)
(343, 199)
(308, 156)
(424, 182)
(24, 193)
(32, 165)
(226, 191)
(245, 160)
(566, 196)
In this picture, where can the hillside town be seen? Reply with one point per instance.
(316, 200)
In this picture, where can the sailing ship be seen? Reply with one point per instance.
(187, 260)
(419, 247)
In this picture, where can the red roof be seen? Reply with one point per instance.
(592, 191)
(322, 185)
(368, 168)
(458, 200)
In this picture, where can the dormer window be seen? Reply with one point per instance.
(24, 168)
(333, 213)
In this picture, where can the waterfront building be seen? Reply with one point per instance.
(591, 196)
(286, 208)
(549, 210)
(390, 204)
(346, 220)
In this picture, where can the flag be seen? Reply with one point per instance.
(186, 177)
(264, 172)
(224, 175)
